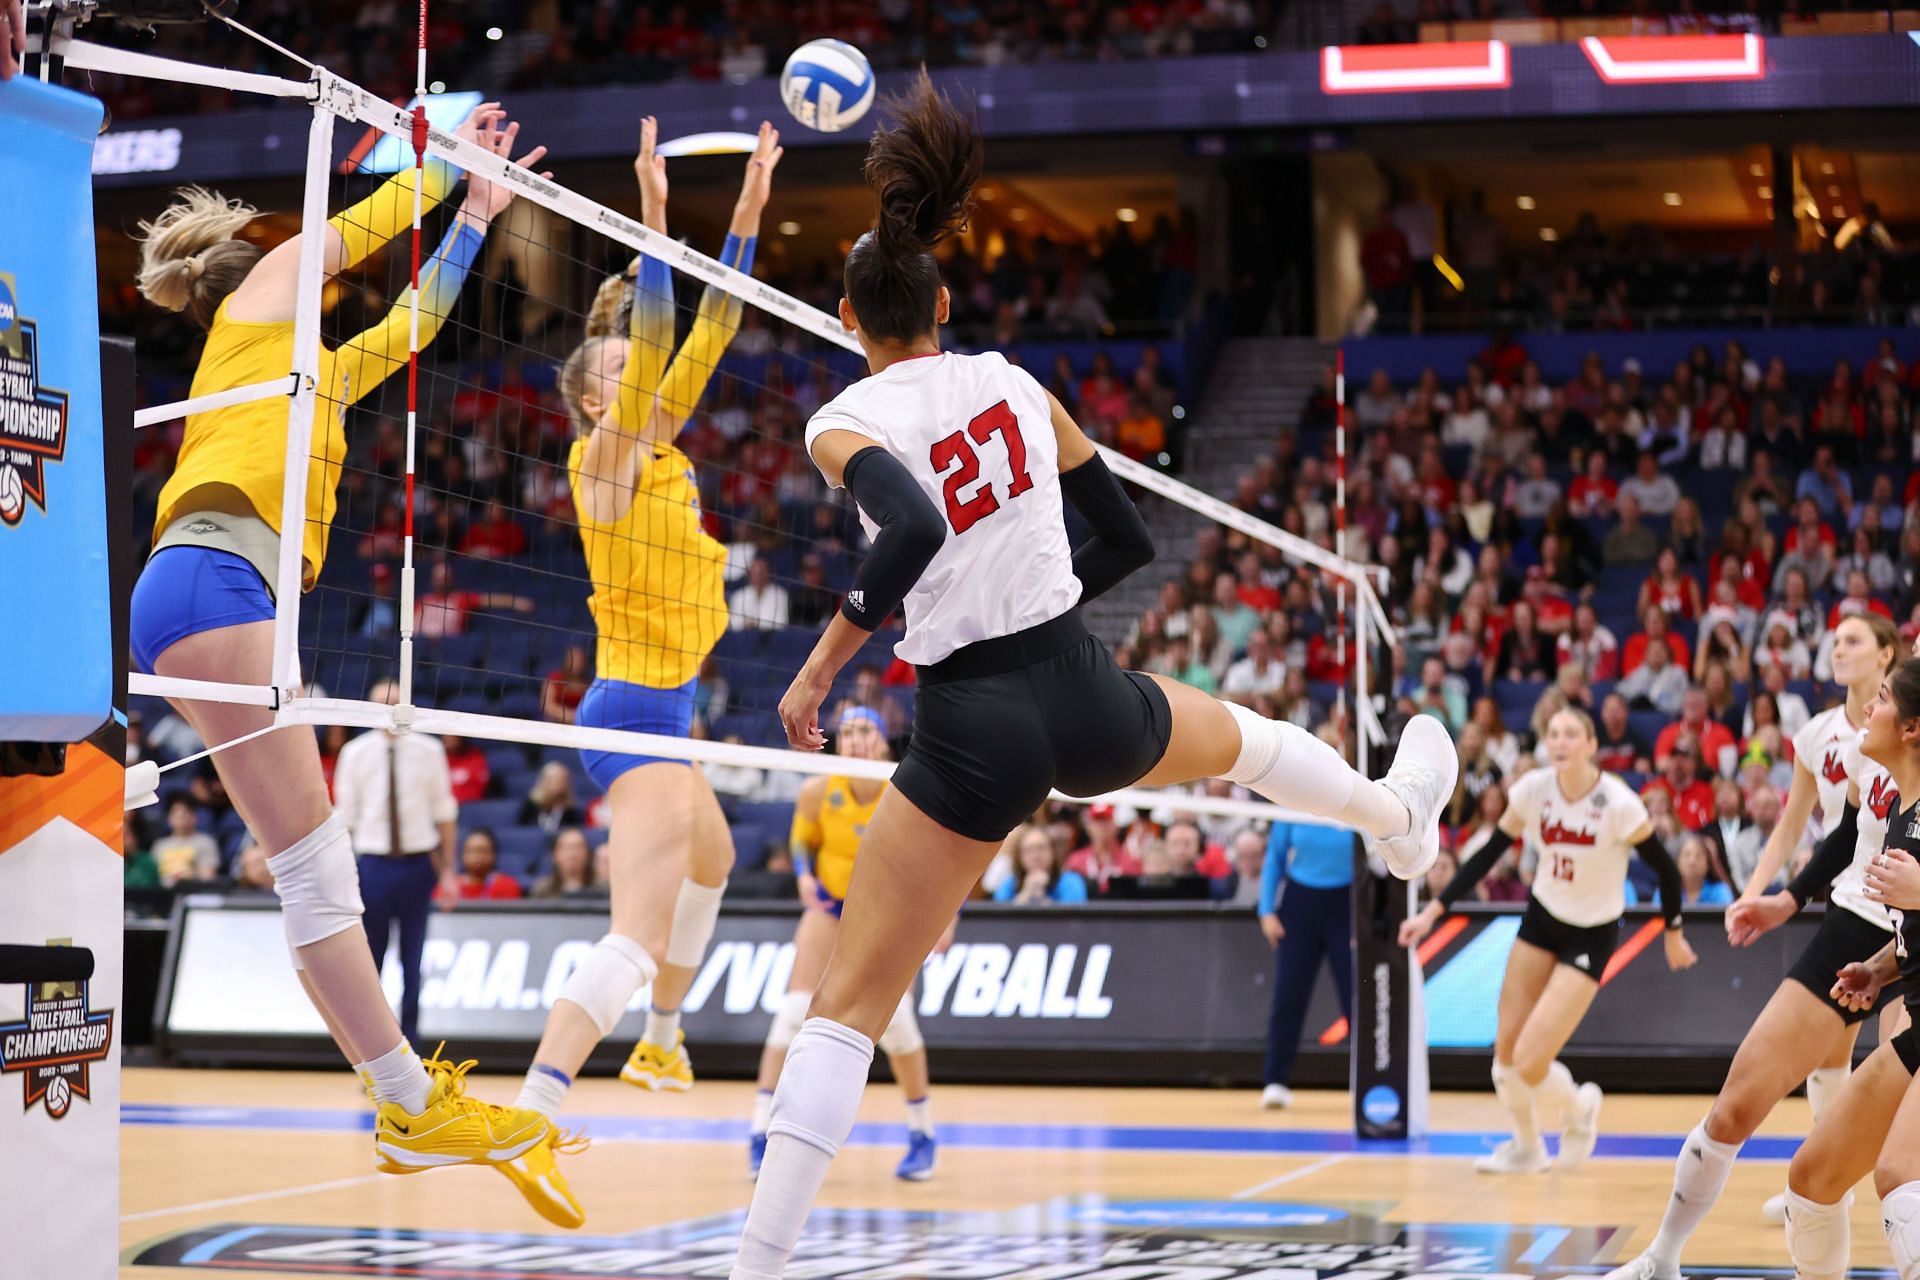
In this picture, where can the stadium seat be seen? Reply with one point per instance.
(523, 853)
(498, 814)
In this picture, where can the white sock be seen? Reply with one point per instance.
(398, 1077)
(1519, 1098)
(1291, 767)
(920, 1115)
(1819, 1237)
(1699, 1176)
(663, 1028)
(1555, 1096)
(1823, 1086)
(813, 1112)
(1900, 1213)
(544, 1089)
(762, 1110)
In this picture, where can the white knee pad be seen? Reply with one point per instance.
(820, 1086)
(694, 912)
(902, 1035)
(1900, 1214)
(787, 1022)
(1819, 1237)
(1824, 1086)
(318, 884)
(603, 983)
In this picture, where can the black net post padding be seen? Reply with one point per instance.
(20, 964)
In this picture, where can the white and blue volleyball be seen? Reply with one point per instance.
(827, 85)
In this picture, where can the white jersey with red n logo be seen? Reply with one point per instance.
(1821, 747)
(977, 435)
(1582, 876)
(1879, 799)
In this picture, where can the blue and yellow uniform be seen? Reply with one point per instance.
(828, 841)
(232, 461)
(659, 579)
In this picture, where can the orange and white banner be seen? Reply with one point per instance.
(1413, 68)
(1676, 59)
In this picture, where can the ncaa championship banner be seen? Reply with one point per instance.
(56, 683)
(1173, 995)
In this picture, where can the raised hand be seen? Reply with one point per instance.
(650, 170)
(486, 199)
(756, 186)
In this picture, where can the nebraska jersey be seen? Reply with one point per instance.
(1879, 799)
(1582, 876)
(1820, 747)
(976, 433)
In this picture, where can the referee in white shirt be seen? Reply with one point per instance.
(395, 795)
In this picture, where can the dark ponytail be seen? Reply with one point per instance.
(922, 166)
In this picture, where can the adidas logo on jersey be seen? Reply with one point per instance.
(857, 601)
(1583, 961)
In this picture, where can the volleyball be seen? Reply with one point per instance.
(827, 85)
(13, 495)
(59, 1096)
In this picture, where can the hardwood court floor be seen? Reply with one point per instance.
(256, 1174)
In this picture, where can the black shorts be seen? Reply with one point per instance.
(1002, 722)
(1842, 939)
(1907, 1043)
(1586, 948)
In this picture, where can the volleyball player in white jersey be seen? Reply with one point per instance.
(1805, 1018)
(960, 465)
(1801, 1025)
(1876, 1117)
(1586, 823)
(1864, 649)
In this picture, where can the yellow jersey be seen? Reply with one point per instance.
(659, 580)
(244, 446)
(833, 834)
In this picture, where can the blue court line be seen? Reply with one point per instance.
(212, 1248)
(1027, 1137)
(1544, 1245)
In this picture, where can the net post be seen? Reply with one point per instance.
(403, 710)
(300, 411)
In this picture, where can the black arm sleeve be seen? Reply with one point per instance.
(1830, 857)
(911, 532)
(1476, 868)
(1672, 892)
(1120, 543)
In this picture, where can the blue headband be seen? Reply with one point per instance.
(867, 714)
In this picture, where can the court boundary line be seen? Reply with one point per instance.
(226, 1202)
(1305, 1171)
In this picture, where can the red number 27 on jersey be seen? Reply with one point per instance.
(963, 512)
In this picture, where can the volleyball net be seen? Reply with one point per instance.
(453, 565)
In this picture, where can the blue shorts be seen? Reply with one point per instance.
(616, 704)
(186, 590)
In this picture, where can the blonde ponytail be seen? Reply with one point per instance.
(189, 259)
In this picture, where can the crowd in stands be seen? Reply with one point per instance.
(570, 43)
(1590, 280)
(1669, 550)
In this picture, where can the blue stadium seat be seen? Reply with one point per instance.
(774, 814)
(1516, 698)
(523, 853)
(1646, 725)
(498, 814)
(751, 842)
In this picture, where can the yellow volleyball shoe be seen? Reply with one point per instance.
(655, 1067)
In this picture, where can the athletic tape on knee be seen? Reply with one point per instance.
(1900, 1214)
(787, 1022)
(820, 1086)
(604, 981)
(1824, 1085)
(695, 911)
(1819, 1237)
(902, 1035)
(318, 884)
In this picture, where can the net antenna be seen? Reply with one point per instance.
(334, 98)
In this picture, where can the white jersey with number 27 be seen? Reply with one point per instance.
(976, 433)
